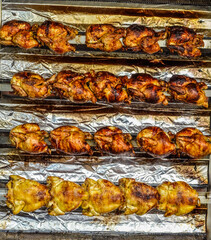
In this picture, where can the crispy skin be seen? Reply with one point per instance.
(25, 195)
(32, 85)
(66, 196)
(74, 86)
(103, 197)
(29, 138)
(193, 143)
(154, 140)
(104, 37)
(139, 197)
(177, 198)
(56, 35)
(145, 88)
(70, 139)
(184, 41)
(186, 89)
(113, 140)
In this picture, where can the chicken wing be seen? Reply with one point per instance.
(113, 140)
(193, 143)
(70, 139)
(103, 197)
(26, 195)
(139, 197)
(29, 138)
(177, 198)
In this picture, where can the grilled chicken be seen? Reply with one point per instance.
(113, 140)
(186, 89)
(74, 86)
(193, 143)
(184, 41)
(56, 35)
(155, 141)
(145, 88)
(106, 86)
(31, 85)
(143, 38)
(104, 37)
(103, 197)
(177, 198)
(26, 195)
(29, 138)
(139, 197)
(70, 139)
(66, 196)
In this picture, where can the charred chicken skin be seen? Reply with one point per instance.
(103, 197)
(193, 143)
(184, 41)
(56, 35)
(113, 140)
(145, 88)
(70, 139)
(154, 140)
(29, 138)
(25, 195)
(177, 198)
(186, 89)
(139, 197)
(66, 196)
(104, 37)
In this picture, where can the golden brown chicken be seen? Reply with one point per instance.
(104, 37)
(70, 139)
(145, 88)
(155, 141)
(143, 38)
(26, 195)
(29, 138)
(139, 197)
(66, 196)
(113, 140)
(32, 85)
(186, 89)
(193, 143)
(55, 35)
(74, 86)
(177, 198)
(184, 41)
(103, 197)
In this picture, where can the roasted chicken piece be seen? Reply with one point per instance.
(31, 85)
(155, 141)
(145, 88)
(186, 89)
(74, 86)
(55, 35)
(177, 198)
(104, 37)
(143, 38)
(139, 197)
(29, 138)
(70, 139)
(26, 195)
(193, 143)
(103, 197)
(66, 196)
(106, 86)
(113, 140)
(184, 41)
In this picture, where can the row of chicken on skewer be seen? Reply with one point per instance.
(106, 37)
(93, 86)
(71, 140)
(100, 197)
